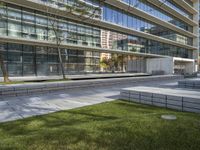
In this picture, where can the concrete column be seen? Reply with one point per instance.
(196, 31)
(189, 67)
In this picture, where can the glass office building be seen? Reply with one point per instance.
(127, 30)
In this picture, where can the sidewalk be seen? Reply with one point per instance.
(20, 107)
(34, 88)
(26, 106)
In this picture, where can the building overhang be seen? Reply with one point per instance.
(143, 14)
(186, 6)
(101, 24)
(183, 60)
(171, 11)
(76, 47)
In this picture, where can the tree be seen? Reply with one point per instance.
(78, 9)
(2, 64)
(54, 26)
(104, 63)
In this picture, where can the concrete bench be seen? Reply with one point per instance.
(192, 83)
(42, 88)
(178, 99)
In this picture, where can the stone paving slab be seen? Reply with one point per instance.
(44, 88)
(9, 116)
(25, 106)
(13, 108)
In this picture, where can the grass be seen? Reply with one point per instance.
(114, 125)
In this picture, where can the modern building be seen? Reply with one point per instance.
(145, 35)
(199, 39)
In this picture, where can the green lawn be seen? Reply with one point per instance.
(114, 125)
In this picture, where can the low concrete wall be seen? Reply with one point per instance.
(42, 88)
(162, 100)
(194, 84)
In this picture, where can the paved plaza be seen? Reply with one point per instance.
(183, 95)
(22, 107)
(14, 108)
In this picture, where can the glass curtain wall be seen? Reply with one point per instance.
(155, 11)
(114, 40)
(25, 60)
(111, 62)
(189, 2)
(88, 7)
(33, 25)
(29, 24)
(137, 23)
(179, 9)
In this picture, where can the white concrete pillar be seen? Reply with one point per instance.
(196, 31)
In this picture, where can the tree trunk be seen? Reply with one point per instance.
(61, 63)
(3, 69)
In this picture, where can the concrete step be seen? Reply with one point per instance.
(179, 99)
(42, 88)
(190, 83)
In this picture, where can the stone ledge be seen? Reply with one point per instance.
(190, 83)
(18, 90)
(169, 98)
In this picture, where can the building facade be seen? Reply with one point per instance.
(133, 32)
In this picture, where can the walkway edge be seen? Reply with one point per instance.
(42, 88)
